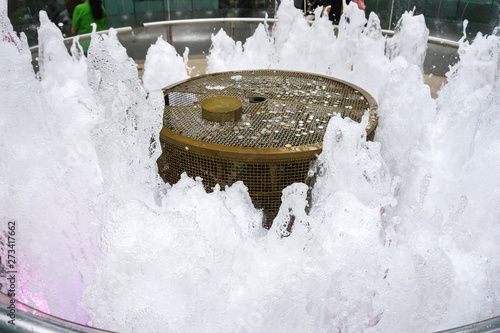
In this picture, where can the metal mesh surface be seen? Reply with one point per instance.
(265, 179)
(285, 115)
(295, 110)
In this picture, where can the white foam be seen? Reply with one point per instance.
(401, 233)
(168, 66)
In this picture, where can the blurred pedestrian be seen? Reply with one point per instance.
(91, 11)
(360, 3)
(71, 4)
(332, 8)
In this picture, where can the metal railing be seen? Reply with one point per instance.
(20, 317)
(232, 20)
(491, 325)
(29, 319)
(34, 49)
(430, 40)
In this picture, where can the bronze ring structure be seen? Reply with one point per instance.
(268, 143)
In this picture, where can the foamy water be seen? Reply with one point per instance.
(401, 235)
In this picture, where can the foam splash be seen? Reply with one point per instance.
(168, 66)
(49, 172)
(400, 233)
(358, 54)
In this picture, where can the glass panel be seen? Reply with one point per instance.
(197, 37)
(382, 8)
(445, 18)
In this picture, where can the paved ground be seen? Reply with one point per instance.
(435, 83)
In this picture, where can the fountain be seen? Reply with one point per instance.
(400, 234)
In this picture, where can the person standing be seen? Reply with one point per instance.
(332, 8)
(71, 4)
(91, 11)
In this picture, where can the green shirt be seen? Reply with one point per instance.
(82, 18)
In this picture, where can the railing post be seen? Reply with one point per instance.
(233, 33)
(169, 34)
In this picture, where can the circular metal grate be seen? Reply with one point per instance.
(272, 144)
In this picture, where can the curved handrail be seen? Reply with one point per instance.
(25, 318)
(491, 325)
(209, 20)
(431, 40)
(34, 49)
(43, 322)
(159, 24)
(232, 20)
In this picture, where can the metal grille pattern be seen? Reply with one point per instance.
(295, 112)
(285, 115)
(265, 179)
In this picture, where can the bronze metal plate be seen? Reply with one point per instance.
(221, 109)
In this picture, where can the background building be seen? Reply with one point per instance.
(442, 16)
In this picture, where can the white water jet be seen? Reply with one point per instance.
(401, 234)
(163, 66)
(356, 55)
